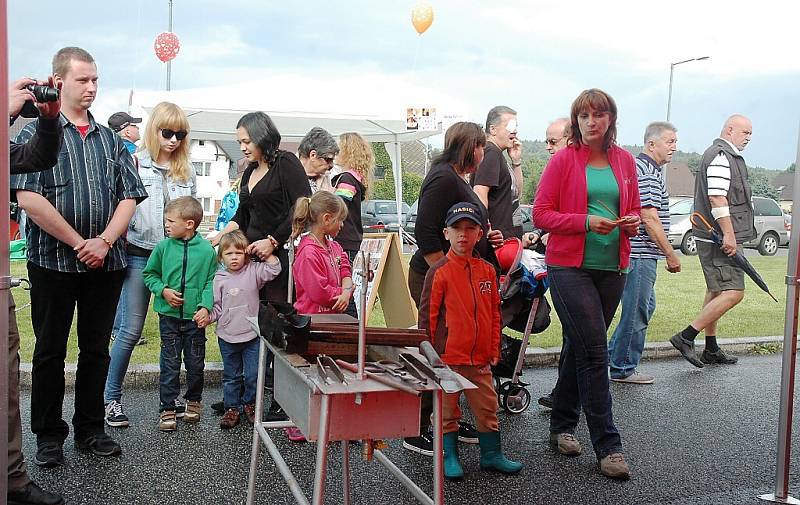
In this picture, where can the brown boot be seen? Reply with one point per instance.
(230, 419)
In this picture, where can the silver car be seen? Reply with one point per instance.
(771, 225)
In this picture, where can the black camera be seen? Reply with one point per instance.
(43, 93)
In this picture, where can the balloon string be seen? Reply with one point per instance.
(416, 56)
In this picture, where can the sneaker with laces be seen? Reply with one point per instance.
(467, 433)
(230, 419)
(294, 434)
(193, 411)
(566, 444)
(635, 378)
(99, 444)
(422, 444)
(718, 357)
(167, 421)
(115, 415)
(615, 467)
(250, 412)
(49, 455)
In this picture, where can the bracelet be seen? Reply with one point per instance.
(272, 241)
(108, 242)
(516, 164)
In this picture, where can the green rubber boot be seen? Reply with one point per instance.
(452, 468)
(492, 455)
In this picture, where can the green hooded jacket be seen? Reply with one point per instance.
(188, 267)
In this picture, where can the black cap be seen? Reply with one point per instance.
(463, 210)
(121, 120)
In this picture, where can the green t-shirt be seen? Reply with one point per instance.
(601, 252)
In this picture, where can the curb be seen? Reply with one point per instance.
(147, 375)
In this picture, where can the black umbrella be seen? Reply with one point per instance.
(738, 258)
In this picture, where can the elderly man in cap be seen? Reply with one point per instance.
(127, 127)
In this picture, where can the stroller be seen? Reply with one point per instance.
(524, 309)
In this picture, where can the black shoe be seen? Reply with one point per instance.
(467, 433)
(49, 455)
(686, 348)
(33, 495)
(269, 382)
(718, 357)
(546, 401)
(218, 407)
(275, 413)
(99, 444)
(422, 444)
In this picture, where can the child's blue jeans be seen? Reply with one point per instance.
(180, 336)
(240, 367)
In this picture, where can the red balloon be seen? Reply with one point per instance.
(167, 46)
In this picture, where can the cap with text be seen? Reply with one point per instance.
(463, 210)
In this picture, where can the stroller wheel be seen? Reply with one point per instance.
(516, 400)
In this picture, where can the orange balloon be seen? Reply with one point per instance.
(422, 17)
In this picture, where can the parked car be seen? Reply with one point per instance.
(411, 218)
(527, 218)
(772, 226)
(377, 214)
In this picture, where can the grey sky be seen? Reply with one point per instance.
(365, 57)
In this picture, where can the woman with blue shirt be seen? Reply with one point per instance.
(166, 174)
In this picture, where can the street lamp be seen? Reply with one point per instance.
(671, 70)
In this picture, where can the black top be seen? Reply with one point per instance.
(503, 201)
(441, 189)
(268, 209)
(41, 150)
(352, 192)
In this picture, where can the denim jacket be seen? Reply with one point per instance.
(146, 229)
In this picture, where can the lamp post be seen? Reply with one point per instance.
(671, 71)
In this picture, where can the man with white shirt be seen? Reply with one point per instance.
(722, 196)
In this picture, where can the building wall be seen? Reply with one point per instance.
(211, 166)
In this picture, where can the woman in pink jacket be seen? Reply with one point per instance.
(588, 200)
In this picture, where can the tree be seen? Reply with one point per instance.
(759, 184)
(384, 189)
(791, 168)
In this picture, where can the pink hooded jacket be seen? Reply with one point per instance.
(318, 274)
(560, 207)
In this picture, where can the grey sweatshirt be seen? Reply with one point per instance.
(236, 297)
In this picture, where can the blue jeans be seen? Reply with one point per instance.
(638, 304)
(134, 302)
(585, 301)
(240, 366)
(180, 336)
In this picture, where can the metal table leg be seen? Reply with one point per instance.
(438, 450)
(262, 361)
(346, 472)
(322, 450)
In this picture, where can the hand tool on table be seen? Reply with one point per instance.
(445, 377)
(378, 377)
(329, 371)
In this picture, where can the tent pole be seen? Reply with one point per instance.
(398, 185)
(786, 413)
(5, 274)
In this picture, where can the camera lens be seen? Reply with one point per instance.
(43, 93)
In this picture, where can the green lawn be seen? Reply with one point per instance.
(678, 295)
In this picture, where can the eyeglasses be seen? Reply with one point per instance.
(553, 142)
(327, 159)
(168, 134)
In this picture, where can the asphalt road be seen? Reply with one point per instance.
(694, 437)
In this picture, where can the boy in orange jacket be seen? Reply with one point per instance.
(460, 309)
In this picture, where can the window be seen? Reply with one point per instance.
(202, 168)
(766, 207)
(682, 207)
(206, 204)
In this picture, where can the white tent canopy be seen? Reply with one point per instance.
(220, 125)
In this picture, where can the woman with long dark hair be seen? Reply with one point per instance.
(588, 200)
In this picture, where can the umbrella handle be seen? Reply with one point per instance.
(703, 219)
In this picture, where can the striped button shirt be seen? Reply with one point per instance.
(653, 193)
(92, 176)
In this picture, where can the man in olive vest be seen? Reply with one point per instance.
(722, 196)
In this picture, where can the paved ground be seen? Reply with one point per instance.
(696, 436)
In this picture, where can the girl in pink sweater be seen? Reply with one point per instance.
(321, 270)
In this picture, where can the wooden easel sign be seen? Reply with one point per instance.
(389, 281)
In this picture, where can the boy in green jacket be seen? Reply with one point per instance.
(180, 273)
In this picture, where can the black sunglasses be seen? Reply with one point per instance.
(168, 134)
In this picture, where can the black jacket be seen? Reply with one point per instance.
(41, 152)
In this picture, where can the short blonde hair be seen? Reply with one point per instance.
(63, 59)
(234, 239)
(186, 208)
(170, 116)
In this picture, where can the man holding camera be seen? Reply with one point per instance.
(76, 213)
(39, 153)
